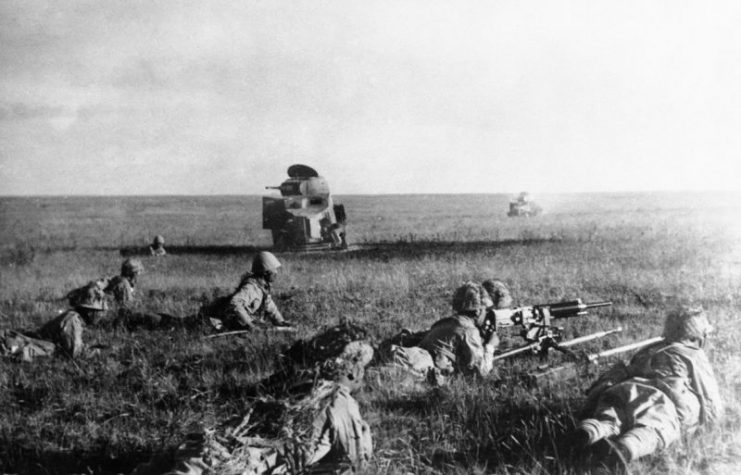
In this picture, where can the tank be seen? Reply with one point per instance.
(304, 217)
(523, 206)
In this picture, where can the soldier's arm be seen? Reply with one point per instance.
(490, 347)
(707, 386)
(272, 312)
(472, 354)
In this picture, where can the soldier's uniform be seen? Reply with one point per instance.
(16, 344)
(453, 344)
(322, 433)
(666, 388)
(158, 246)
(66, 330)
(121, 290)
(251, 304)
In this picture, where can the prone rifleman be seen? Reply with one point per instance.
(666, 389)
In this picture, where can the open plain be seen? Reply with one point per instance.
(140, 396)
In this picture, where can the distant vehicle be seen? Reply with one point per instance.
(523, 205)
(304, 216)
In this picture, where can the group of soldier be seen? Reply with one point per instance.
(632, 410)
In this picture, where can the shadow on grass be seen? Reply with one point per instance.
(382, 250)
(546, 444)
(18, 459)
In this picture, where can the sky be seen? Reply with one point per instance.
(406, 96)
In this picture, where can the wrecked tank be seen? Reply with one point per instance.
(304, 217)
(523, 206)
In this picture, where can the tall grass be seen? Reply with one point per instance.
(143, 393)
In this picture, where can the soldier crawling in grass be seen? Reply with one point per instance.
(63, 334)
(251, 304)
(666, 389)
(121, 290)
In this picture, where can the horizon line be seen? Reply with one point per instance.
(92, 195)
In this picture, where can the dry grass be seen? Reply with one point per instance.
(104, 415)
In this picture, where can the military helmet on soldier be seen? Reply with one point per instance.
(687, 323)
(159, 240)
(499, 293)
(265, 262)
(470, 297)
(131, 268)
(91, 297)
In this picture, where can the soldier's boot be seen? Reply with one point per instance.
(638, 442)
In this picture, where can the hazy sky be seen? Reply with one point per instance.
(184, 97)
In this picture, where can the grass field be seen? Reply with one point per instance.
(104, 415)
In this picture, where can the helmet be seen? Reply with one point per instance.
(685, 323)
(264, 262)
(470, 297)
(159, 240)
(499, 293)
(131, 267)
(90, 297)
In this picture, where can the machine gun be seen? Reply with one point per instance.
(535, 323)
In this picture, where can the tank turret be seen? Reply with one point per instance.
(304, 217)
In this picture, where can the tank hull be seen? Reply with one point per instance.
(304, 217)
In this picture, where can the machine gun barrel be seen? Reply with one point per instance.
(541, 314)
(573, 308)
(272, 187)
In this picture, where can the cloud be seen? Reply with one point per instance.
(408, 96)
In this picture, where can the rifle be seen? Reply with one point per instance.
(535, 321)
(542, 346)
(244, 332)
(592, 358)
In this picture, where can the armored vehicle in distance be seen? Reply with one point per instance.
(524, 206)
(304, 217)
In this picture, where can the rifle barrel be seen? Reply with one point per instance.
(624, 348)
(516, 351)
(586, 338)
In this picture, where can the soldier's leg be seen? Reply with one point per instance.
(606, 421)
(655, 426)
(415, 359)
